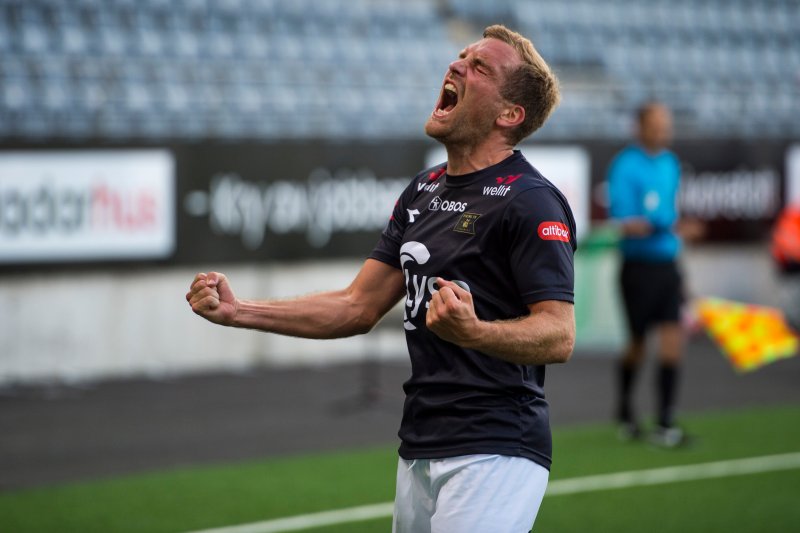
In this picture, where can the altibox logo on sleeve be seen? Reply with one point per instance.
(553, 231)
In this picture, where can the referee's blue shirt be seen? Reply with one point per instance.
(645, 185)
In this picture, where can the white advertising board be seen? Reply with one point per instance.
(86, 205)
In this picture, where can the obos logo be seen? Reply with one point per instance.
(553, 231)
(446, 205)
(418, 287)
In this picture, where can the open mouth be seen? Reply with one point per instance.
(447, 101)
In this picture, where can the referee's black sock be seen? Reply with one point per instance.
(626, 375)
(667, 383)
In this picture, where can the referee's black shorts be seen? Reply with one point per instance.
(652, 293)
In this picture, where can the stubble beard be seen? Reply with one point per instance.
(464, 132)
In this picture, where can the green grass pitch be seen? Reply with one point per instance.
(206, 497)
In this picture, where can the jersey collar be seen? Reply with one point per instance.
(463, 180)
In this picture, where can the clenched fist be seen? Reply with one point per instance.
(211, 297)
(451, 314)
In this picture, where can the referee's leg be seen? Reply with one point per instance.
(638, 294)
(671, 344)
(671, 340)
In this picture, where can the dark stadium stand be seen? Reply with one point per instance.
(150, 70)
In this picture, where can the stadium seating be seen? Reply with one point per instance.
(183, 70)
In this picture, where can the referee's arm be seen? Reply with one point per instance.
(326, 315)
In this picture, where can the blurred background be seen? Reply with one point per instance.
(142, 141)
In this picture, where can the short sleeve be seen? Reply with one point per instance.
(541, 232)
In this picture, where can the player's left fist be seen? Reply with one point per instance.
(451, 314)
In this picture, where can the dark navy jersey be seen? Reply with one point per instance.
(507, 235)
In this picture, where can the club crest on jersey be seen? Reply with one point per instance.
(466, 224)
(553, 231)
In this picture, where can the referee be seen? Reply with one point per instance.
(643, 188)
(480, 250)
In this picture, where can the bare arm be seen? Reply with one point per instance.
(689, 229)
(326, 315)
(546, 335)
(635, 227)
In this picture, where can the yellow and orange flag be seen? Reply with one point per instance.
(750, 336)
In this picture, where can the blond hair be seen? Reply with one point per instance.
(532, 85)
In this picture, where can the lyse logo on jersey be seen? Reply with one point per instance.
(553, 231)
(419, 288)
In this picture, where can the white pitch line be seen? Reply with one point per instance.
(306, 521)
(618, 480)
(673, 474)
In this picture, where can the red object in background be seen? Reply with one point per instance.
(786, 238)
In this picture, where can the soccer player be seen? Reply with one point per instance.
(480, 249)
(643, 187)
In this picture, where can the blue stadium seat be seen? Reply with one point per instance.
(161, 68)
(17, 95)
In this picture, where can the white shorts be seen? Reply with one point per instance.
(468, 494)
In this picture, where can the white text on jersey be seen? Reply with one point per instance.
(500, 190)
(446, 205)
(428, 187)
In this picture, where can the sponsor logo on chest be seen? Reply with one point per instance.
(499, 190)
(437, 204)
(419, 286)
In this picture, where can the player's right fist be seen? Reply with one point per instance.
(211, 297)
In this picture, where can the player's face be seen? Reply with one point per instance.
(470, 101)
